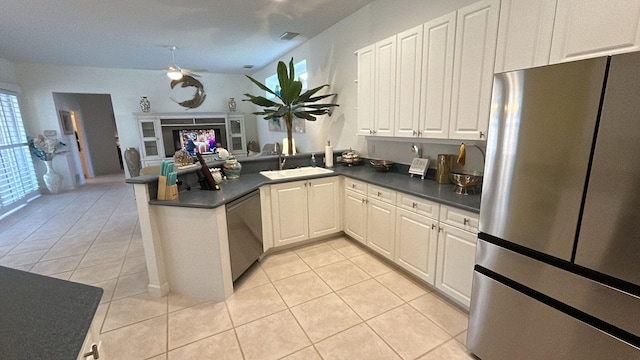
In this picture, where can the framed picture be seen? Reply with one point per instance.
(65, 120)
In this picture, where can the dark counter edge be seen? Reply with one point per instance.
(397, 179)
(44, 316)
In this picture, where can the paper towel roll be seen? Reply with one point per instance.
(328, 156)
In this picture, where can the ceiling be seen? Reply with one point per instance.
(220, 36)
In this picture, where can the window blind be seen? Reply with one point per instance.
(18, 182)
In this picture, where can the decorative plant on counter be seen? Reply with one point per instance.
(293, 104)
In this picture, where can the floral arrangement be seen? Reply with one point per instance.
(45, 147)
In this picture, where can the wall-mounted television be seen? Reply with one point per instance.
(204, 138)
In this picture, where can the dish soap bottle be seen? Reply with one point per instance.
(313, 160)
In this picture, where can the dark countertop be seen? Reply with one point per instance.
(43, 317)
(395, 180)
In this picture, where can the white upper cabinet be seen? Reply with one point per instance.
(436, 74)
(366, 68)
(385, 87)
(408, 64)
(590, 28)
(524, 37)
(475, 49)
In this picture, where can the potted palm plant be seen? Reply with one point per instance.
(291, 102)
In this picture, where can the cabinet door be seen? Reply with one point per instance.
(381, 230)
(455, 261)
(324, 207)
(355, 215)
(437, 69)
(151, 138)
(408, 64)
(385, 87)
(366, 67)
(416, 244)
(290, 214)
(475, 49)
(590, 28)
(524, 37)
(235, 133)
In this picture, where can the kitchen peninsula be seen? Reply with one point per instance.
(186, 244)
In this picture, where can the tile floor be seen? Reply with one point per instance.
(328, 300)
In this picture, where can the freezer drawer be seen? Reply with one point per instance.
(505, 324)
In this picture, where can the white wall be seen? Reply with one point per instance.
(39, 82)
(330, 59)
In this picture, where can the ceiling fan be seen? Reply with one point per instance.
(175, 72)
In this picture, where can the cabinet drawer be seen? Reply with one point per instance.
(459, 218)
(382, 194)
(419, 206)
(355, 185)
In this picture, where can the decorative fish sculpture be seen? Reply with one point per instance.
(198, 97)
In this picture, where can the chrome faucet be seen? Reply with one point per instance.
(281, 160)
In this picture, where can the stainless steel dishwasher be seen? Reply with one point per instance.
(244, 226)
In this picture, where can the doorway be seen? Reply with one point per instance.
(94, 142)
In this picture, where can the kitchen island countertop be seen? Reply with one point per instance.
(43, 317)
(399, 181)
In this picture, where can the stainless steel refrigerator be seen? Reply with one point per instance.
(557, 272)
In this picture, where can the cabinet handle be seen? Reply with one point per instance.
(433, 226)
(466, 221)
(379, 193)
(414, 205)
(415, 133)
(353, 186)
(94, 352)
(481, 134)
(419, 133)
(363, 201)
(439, 229)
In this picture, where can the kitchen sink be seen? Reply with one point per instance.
(293, 173)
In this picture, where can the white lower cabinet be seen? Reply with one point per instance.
(381, 227)
(305, 209)
(323, 196)
(289, 206)
(355, 215)
(416, 243)
(457, 240)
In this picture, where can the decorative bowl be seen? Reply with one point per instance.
(381, 165)
(468, 182)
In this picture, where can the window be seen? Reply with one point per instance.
(18, 182)
(300, 69)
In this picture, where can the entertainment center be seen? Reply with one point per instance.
(161, 134)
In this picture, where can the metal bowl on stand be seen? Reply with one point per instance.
(467, 182)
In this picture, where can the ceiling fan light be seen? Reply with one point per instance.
(174, 74)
